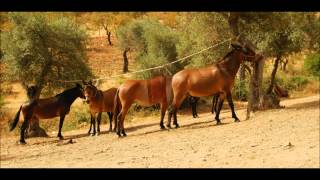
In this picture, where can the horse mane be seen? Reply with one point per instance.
(228, 54)
(66, 92)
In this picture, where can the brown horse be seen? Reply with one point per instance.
(99, 101)
(146, 93)
(210, 80)
(58, 105)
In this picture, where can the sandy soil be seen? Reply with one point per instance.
(286, 137)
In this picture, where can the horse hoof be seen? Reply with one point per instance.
(237, 120)
(97, 134)
(118, 133)
(169, 126)
(177, 125)
(60, 138)
(218, 123)
(22, 142)
(162, 127)
(93, 134)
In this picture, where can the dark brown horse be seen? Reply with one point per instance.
(194, 101)
(146, 93)
(58, 105)
(207, 81)
(99, 101)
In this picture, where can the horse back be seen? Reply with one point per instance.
(49, 108)
(145, 92)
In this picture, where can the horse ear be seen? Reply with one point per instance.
(236, 46)
(78, 85)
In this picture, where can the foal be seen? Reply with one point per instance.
(99, 101)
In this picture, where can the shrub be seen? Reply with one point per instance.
(240, 90)
(154, 43)
(312, 64)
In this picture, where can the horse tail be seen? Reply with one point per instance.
(169, 92)
(116, 106)
(14, 123)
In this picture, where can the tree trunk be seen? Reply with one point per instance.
(255, 87)
(109, 38)
(270, 99)
(273, 74)
(284, 64)
(34, 129)
(108, 33)
(125, 60)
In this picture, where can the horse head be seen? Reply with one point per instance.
(90, 91)
(246, 49)
(80, 91)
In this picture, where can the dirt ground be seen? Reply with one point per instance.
(279, 138)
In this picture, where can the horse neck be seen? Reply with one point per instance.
(231, 63)
(70, 96)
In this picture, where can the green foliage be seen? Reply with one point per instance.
(155, 44)
(240, 89)
(199, 31)
(292, 83)
(274, 33)
(39, 50)
(312, 64)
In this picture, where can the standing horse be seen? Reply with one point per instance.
(99, 101)
(146, 93)
(194, 100)
(58, 105)
(206, 81)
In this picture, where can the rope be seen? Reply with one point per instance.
(157, 67)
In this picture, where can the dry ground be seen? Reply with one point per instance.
(286, 137)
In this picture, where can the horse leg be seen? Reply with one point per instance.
(163, 112)
(169, 119)
(230, 101)
(94, 124)
(177, 100)
(110, 119)
(193, 107)
(123, 115)
(175, 120)
(90, 124)
(23, 130)
(219, 108)
(60, 127)
(99, 121)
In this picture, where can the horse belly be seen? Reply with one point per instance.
(46, 113)
(143, 103)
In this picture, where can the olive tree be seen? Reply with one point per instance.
(42, 51)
